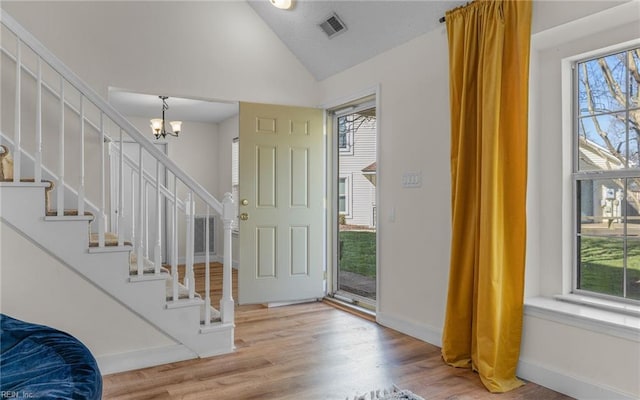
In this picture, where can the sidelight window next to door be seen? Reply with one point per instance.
(355, 191)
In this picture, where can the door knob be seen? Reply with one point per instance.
(244, 202)
(244, 216)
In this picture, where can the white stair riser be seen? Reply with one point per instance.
(21, 202)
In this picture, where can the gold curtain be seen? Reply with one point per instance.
(489, 75)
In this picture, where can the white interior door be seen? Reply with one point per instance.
(282, 198)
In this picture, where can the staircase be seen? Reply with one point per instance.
(62, 185)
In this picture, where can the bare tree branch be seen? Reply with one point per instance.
(633, 68)
(612, 84)
(603, 134)
(633, 121)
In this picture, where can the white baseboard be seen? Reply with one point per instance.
(412, 328)
(113, 363)
(289, 303)
(559, 381)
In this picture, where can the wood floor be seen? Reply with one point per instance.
(307, 352)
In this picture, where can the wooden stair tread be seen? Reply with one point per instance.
(183, 291)
(110, 239)
(32, 180)
(148, 266)
(68, 213)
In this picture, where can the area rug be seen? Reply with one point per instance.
(394, 393)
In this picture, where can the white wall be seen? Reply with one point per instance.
(414, 246)
(584, 356)
(36, 287)
(202, 49)
(413, 136)
(195, 151)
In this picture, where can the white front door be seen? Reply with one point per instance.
(281, 203)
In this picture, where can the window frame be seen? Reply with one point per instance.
(348, 148)
(623, 174)
(347, 195)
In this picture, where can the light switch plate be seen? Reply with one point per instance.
(412, 179)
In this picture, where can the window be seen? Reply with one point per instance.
(345, 133)
(235, 178)
(343, 196)
(607, 175)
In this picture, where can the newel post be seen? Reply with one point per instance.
(227, 303)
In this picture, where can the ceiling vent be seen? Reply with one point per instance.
(333, 25)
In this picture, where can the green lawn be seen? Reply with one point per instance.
(601, 266)
(358, 253)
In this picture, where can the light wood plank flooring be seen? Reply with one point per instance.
(307, 352)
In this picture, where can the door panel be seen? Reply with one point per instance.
(281, 177)
(266, 176)
(299, 177)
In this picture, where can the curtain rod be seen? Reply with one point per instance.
(443, 18)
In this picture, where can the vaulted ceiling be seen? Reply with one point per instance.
(372, 27)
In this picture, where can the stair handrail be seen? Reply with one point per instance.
(54, 62)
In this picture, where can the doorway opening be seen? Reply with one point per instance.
(355, 181)
(131, 150)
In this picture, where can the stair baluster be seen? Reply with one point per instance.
(120, 209)
(17, 139)
(60, 188)
(157, 251)
(146, 219)
(207, 273)
(101, 215)
(174, 241)
(132, 183)
(189, 222)
(38, 156)
(81, 188)
(140, 221)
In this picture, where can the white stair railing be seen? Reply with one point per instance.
(17, 138)
(74, 106)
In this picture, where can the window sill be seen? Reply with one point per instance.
(610, 318)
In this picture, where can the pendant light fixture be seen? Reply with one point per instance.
(158, 124)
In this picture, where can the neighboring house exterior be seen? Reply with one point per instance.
(357, 166)
(603, 201)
